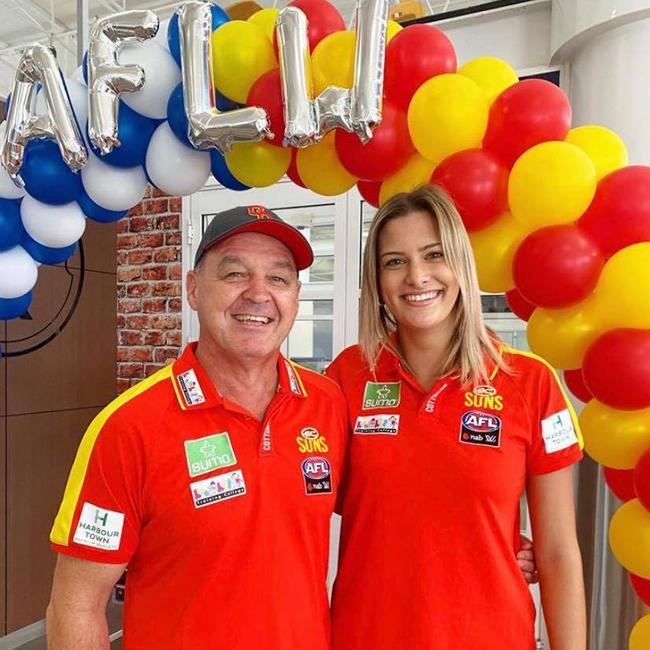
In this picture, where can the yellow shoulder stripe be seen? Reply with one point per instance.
(295, 367)
(61, 529)
(572, 413)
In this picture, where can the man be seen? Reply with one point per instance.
(214, 479)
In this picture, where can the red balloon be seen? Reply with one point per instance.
(619, 214)
(557, 266)
(527, 113)
(616, 369)
(266, 93)
(642, 479)
(576, 384)
(369, 190)
(620, 482)
(519, 306)
(478, 185)
(642, 588)
(323, 19)
(413, 56)
(292, 172)
(389, 148)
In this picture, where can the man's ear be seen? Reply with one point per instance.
(192, 287)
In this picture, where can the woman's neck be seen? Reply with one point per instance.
(426, 351)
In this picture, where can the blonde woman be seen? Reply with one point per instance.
(449, 428)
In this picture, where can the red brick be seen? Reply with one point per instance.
(155, 338)
(166, 289)
(156, 206)
(141, 224)
(140, 289)
(173, 338)
(154, 273)
(163, 355)
(138, 322)
(120, 321)
(175, 272)
(151, 240)
(176, 204)
(130, 337)
(139, 354)
(129, 305)
(154, 305)
(121, 290)
(155, 192)
(121, 258)
(121, 385)
(122, 354)
(128, 273)
(151, 368)
(168, 254)
(167, 322)
(129, 370)
(127, 241)
(168, 222)
(139, 256)
(122, 226)
(173, 238)
(135, 211)
(175, 305)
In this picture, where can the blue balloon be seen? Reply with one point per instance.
(45, 254)
(134, 132)
(176, 115)
(47, 177)
(221, 172)
(84, 67)
(224, 104)
(11, 225)
(219, 17)
(96, 212)
(15, 307)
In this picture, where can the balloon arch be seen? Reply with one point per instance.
(557, 219)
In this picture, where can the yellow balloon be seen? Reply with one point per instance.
(551, 183)
(332, 61)
(417, 171)
(448, 113)
(623, 289)
(562, 336)
(320, 169)
(491, 74)
(606, 150)
(615, 438)
(265, 19)
(640, 635)
(494, 250)
(241, 54)
(392, 29)
(629, 537)
(258, 164)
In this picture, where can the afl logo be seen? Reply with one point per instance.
(316, 468)
(481, 422)
(309, 433)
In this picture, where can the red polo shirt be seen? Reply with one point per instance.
(430, 504)
(222, 519)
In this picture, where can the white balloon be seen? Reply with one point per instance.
(113, 188)
(173, 167)
(18, 272)
(161, 35)
(7, 188)
(78, 75)
(161, 73)
(55, 226)
(79, 99)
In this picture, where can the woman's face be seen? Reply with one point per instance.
(415, 280)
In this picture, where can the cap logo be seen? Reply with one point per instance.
(258, 211)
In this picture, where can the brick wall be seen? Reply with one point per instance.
(148, 287)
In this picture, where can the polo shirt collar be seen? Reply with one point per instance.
(195, 390)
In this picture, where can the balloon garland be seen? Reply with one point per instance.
(557, 219)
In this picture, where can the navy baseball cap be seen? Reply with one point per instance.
(255, 218)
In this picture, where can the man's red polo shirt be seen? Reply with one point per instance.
(223, 520)
(430, 504)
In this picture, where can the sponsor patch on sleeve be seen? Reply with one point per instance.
(386, 424)
(99, 528)
(558, 431)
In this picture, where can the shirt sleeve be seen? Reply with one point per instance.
(556, 439)
(101, 513)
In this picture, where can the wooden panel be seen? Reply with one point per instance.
(77, 368)
(99, 242)
(40, 451)
(3, 370)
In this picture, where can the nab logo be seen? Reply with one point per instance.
(258, 211)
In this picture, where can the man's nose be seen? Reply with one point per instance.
(257, 289)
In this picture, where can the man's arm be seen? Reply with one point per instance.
(76, 615)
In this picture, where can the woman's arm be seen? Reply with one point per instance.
(557, 555)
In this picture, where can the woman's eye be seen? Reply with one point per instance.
(435, 255)
(395, 261)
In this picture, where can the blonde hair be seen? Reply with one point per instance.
(472, 346)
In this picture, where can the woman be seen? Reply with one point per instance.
(449, 428)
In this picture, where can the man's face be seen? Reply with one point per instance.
(245, 292)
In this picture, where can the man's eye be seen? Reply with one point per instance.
(276, 279)
(235, 274)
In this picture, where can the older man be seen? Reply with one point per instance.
(213, 480)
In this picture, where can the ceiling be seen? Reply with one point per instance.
(23, 22)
